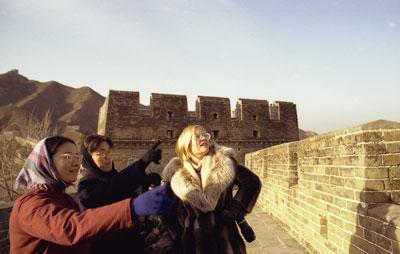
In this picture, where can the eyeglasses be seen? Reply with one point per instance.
(205, 135)
(71, 157)
(102, 154)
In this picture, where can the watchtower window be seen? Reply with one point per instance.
(254, 117)
(169, 115)
(256, 134)
(215, 133)
(170, 133)
(215, 116)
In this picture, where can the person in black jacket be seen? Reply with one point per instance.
(207, 211)
(102, 184)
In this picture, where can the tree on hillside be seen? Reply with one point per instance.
(15, 147)
(37, 129)
(11, 161)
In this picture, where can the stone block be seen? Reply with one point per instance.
(335, 171)
(395, 197)
(372, 224)
(371, 161)
(338, 181)
(363, 244)
(374, 172)
(355, 229)
(394, 172)
(391, 135)
(345, 193)
(391, 159)
(393, 147)
(331, 246)
(336, 221)
(340, 202)
(353, 249)
(372, 148)
(378, 239)
(372, 196)
(348, 215)
(352, 205)
(393, 184)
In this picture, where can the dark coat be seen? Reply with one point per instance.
(98, 188)
(202, 198)
(46, 220)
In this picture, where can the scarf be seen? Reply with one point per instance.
(38, 169)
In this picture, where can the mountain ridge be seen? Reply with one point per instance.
(73, 110)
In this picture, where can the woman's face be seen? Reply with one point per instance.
(200, 143)
(102, 157)
(67, 161)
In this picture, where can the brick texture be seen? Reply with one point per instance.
(253, 125)
(337, 192)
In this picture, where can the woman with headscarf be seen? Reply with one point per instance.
(202, 178)
(47, 220)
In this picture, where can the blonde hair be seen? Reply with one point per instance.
(183, 143)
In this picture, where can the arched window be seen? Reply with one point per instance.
(215, 116)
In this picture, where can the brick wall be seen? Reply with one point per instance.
(337, 192)
(133, 126)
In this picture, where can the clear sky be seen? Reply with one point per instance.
(339, 61)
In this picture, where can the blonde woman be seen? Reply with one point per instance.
(202, 178)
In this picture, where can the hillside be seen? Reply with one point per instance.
(73, 110)
(306, 134)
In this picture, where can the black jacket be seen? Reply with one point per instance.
(98, 188)
(203, 197)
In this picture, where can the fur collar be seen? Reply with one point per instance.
(202, 192)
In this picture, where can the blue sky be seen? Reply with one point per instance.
(339, 61)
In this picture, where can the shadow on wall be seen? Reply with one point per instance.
(376, 224)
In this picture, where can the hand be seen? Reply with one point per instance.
(153, 154)
(154, 202)
(233, 212)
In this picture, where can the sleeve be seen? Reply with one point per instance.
(42, 217)
(93, 192)
(249, 187)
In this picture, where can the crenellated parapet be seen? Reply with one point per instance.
(252, 125)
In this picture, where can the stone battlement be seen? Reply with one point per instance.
(252, 125)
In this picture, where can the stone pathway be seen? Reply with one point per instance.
(271, 238)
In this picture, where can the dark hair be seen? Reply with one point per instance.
(92, 142)
(54, 142)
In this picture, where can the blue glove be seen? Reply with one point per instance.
(154, 202)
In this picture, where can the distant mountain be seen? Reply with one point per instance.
(73, 110)
(306, 134)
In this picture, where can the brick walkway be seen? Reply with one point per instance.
(271, 238)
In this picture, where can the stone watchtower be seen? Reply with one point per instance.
(253, 125)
